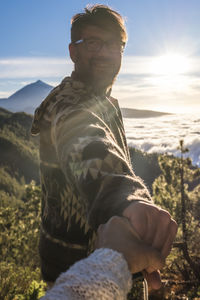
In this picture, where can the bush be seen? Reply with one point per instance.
(19, 226)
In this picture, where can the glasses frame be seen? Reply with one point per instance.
(84, 41)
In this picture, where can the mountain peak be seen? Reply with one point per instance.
(40, 82)
(28, 97)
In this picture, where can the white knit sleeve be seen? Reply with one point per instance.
(103, 275)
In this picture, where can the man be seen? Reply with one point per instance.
(86, 172)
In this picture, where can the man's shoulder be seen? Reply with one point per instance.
(68, 93)
(67, 90)
(113, 100)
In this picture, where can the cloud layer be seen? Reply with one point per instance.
(162, 134)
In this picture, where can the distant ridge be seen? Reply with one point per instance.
(140, 113)
(28, 98)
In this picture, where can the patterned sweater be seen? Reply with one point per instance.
(85, 170)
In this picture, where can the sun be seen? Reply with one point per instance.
(170, 73)
(170, 65)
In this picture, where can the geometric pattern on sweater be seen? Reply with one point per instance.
(71, 207)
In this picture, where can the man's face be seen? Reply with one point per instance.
(97, 68)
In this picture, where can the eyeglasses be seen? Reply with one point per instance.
(95, 45)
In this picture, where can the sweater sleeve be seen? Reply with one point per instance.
(95, 164)
(103, 275)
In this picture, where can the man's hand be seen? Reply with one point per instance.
(119, 235)
(156, 228)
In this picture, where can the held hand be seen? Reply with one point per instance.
(156, 228)
(119, 235)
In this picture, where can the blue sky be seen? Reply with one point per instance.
(161, 61)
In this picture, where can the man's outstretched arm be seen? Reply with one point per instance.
(95, 165)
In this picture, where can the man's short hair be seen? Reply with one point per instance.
(101, 16)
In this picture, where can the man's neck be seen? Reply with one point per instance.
(96, 89)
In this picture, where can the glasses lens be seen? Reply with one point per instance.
(113, 46)
(96, 44)
(93, 44)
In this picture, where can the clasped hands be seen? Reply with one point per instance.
(144, 235)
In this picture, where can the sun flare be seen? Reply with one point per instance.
(170, 64)
(170, 73)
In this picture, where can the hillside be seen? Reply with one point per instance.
(18, 151)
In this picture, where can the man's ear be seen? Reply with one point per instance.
(73, 52)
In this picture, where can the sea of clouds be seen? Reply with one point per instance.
(162, 134)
